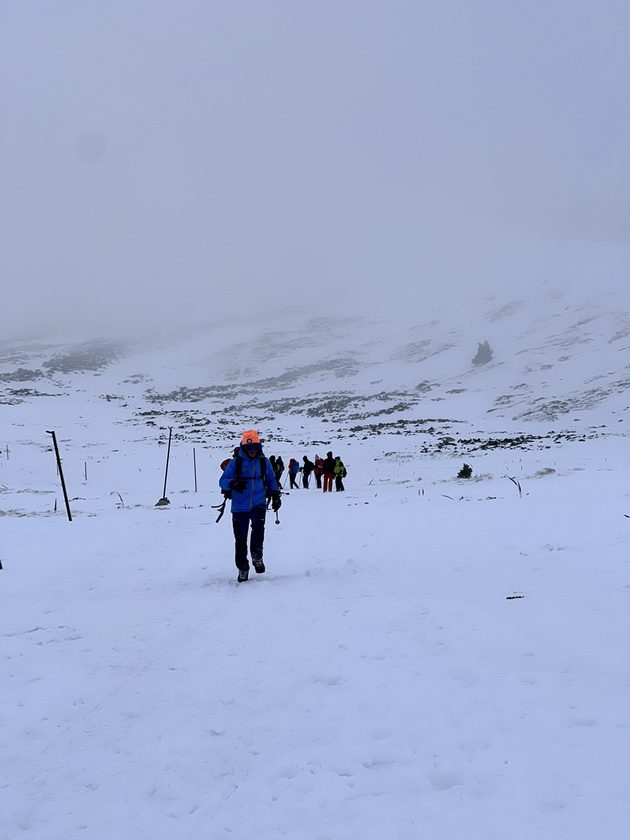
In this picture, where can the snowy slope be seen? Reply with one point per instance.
(552, 357)
(382, 679)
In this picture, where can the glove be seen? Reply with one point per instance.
(238, 485)
(276, 501)
(227, 493)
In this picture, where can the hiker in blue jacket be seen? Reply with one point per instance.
(294, 469)
(248, 480)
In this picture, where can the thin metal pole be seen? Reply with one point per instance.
(168, 455)
(60, 471)
(195, 467)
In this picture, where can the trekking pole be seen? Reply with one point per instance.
(220, 508)
(164, 501)
(282, 493)
(63, 483)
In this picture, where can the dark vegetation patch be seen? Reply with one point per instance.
(391, 409)
(339, 368)
(184, 394)
(338, 407)
(484, 354)
(452, 446)
(22, 353)
(30, 392)
(14, 396)
(402, 427)
(518, 442)
(137, 378)
(547, 410)
(90, 356)
(524, 442)
(21, 375)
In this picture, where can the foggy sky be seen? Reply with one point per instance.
(189, 159)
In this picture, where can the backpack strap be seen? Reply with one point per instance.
(238, 468)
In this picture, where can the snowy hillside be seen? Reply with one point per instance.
(426, 656)
(553, 360)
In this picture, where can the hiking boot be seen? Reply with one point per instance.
(243, 575)
(259, 566)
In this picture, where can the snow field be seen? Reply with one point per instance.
(376, 681)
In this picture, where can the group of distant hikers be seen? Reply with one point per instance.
(253, 482)
(324, 469)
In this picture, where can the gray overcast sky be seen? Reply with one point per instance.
(194, 157)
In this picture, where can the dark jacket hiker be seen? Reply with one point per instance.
(278, 467)
(307, 469)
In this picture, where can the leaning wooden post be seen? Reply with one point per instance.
(164, 501)
(168, 455)
(60, 471)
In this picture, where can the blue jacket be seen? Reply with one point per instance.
(256, 490)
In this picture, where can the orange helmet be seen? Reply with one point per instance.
(250, 437)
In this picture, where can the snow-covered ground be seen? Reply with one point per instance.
(425, 657)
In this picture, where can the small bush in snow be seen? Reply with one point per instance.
(484, 354)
